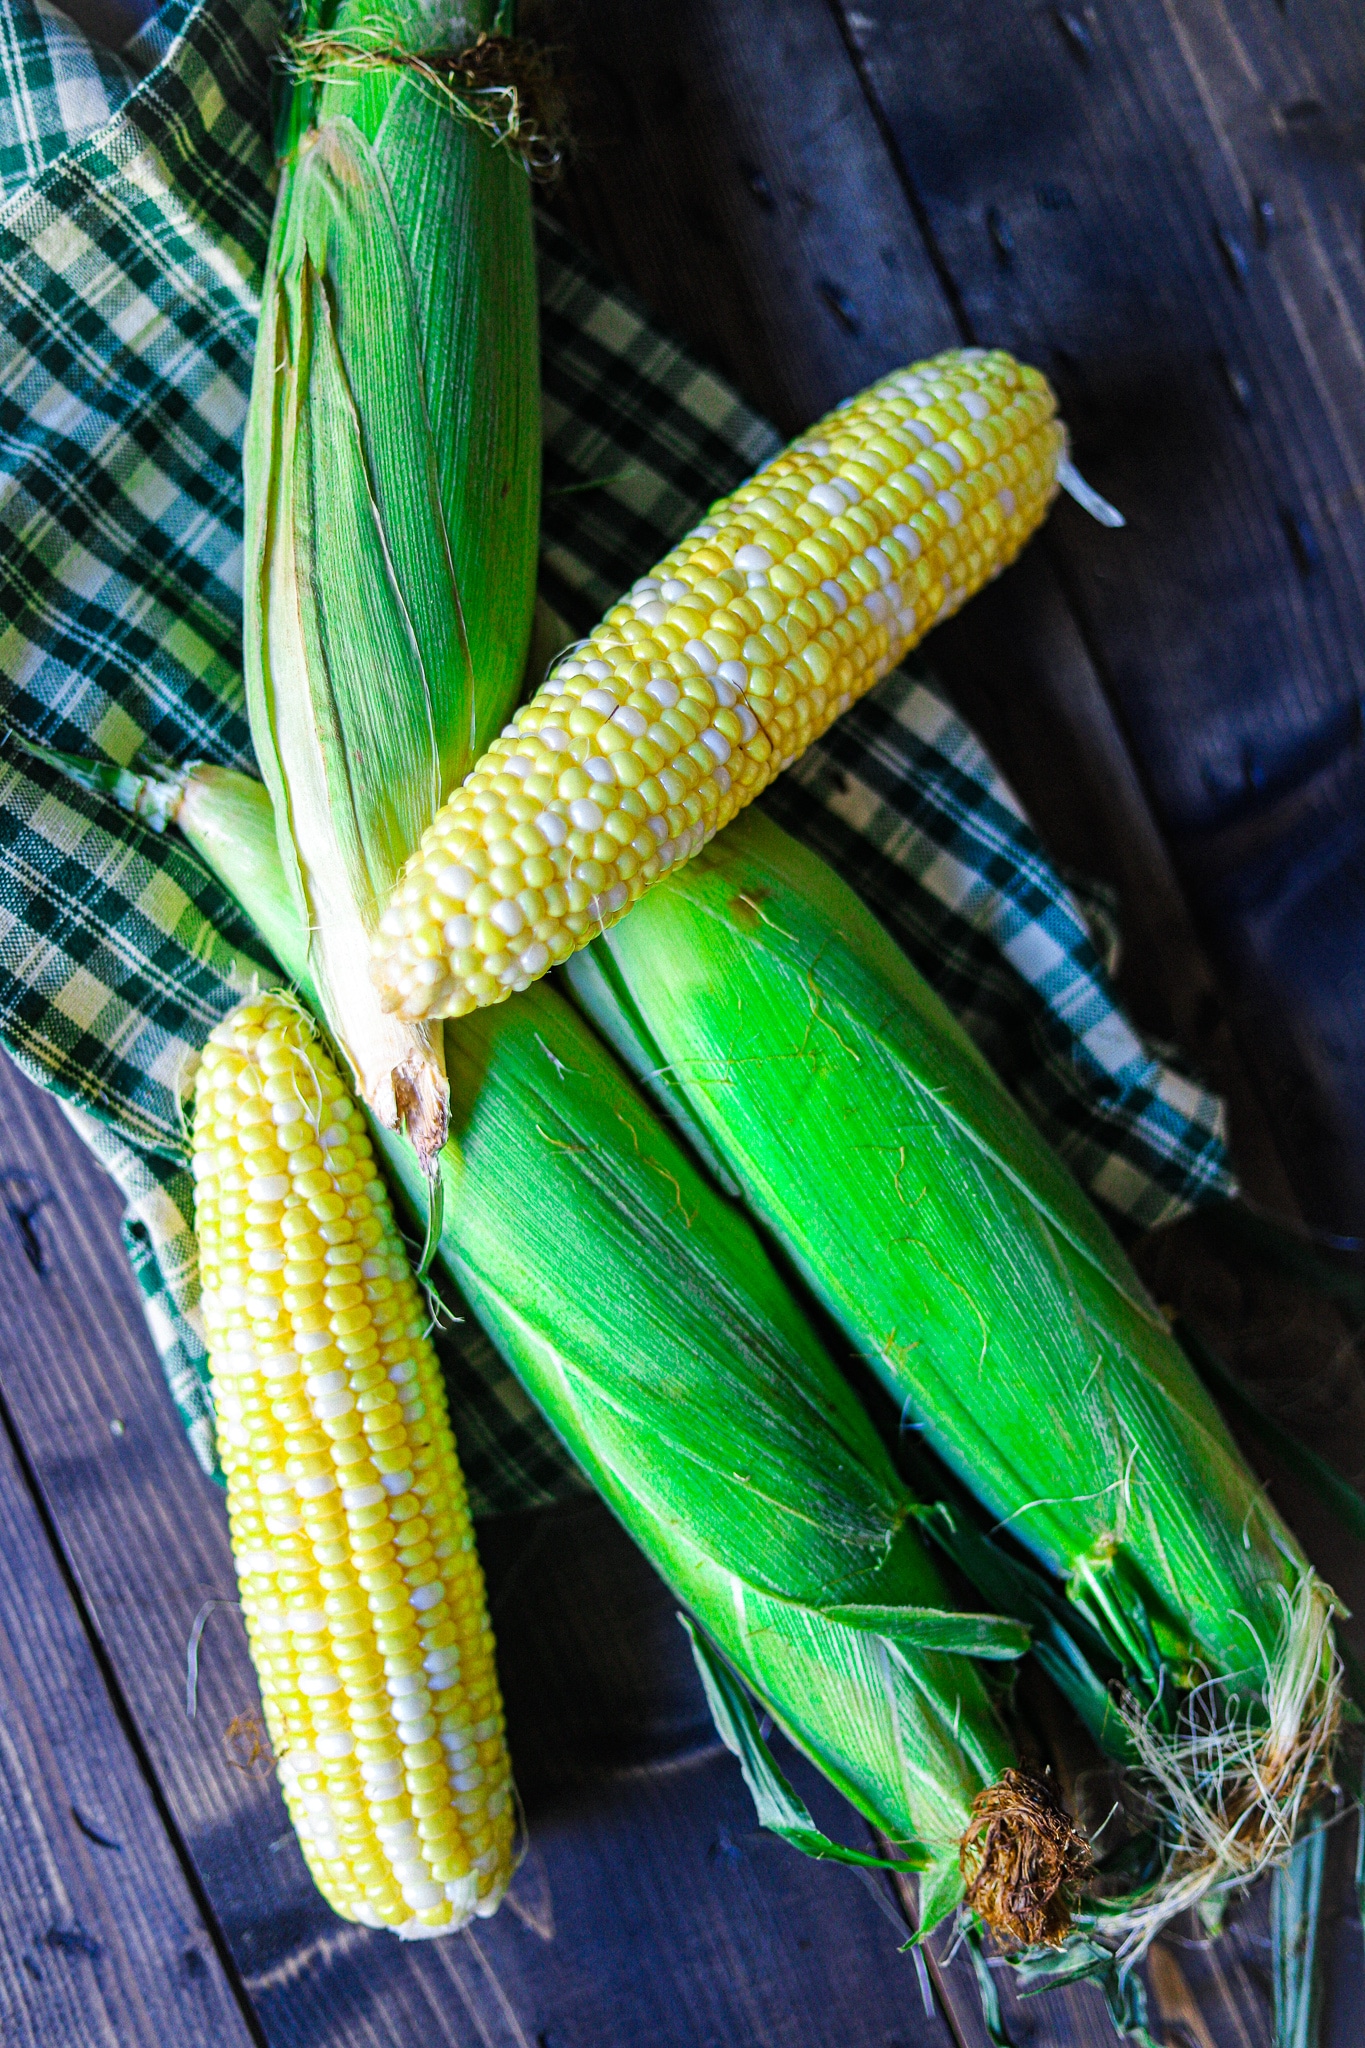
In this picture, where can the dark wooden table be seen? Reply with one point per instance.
(1162, 203)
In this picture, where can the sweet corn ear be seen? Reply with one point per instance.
(361, 1590)
(792, 599)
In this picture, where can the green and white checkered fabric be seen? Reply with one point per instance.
(135, 195)
(57, 90)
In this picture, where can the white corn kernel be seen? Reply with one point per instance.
(454, 881)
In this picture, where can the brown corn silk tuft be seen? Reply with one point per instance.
(502, 84)
(1024, 1861)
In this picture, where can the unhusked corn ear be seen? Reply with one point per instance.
(791, 600)
(391, 472)
(361, 1589)
(965, 1266)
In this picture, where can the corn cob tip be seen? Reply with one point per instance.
(360, 1586)
(791, 599)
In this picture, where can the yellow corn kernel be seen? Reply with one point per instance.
(360, 1586)
(791, 600)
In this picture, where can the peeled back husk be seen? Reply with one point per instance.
(869, 1135)
(392, 493)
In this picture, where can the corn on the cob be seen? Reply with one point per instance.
(869, 1134)
(791, 599)
(646, 1318)
(392, 470)
(360, 1586)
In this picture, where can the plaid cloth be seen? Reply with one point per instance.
(135, 194)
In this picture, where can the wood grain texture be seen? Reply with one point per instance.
(101, 1942)
(729, 169)
(729, 195)
(1136, 269)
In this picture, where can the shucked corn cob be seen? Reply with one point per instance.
(361, 1589)
(793, 598)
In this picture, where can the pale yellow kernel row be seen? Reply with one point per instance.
(359, 1582)
(791, 599)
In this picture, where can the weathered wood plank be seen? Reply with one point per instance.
(101, 1941)
(729, 169)
(1018, 668)
(1046, 175)
(1107, 142)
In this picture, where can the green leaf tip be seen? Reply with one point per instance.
(778, 1807)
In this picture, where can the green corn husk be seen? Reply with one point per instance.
(865, 1130)
(645, 1318)
(1295, 1928)
(392, 473)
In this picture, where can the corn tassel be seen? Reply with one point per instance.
(360, 1587)
(791, 600)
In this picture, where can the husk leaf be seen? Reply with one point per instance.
(953, 1246)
